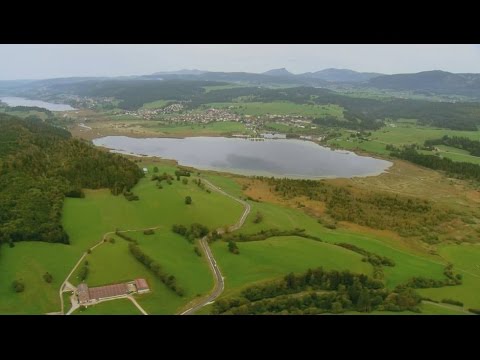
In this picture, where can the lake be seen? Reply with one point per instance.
(279, 158)
(19, 101)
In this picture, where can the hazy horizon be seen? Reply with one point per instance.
(33, 62)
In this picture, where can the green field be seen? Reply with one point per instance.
(114, 307)
(155, 104)
(408, 263)
(29, 261)
(165, 247)
(281, 108)
(86, 220)
(466, 260)
(218, 127)
(277, 256)
(406, 132)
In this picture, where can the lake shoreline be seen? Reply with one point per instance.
(269, 157)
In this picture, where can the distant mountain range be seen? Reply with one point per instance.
(434, 82)
(181, 72)
(341, 75)
(278, 72)
(330, 75)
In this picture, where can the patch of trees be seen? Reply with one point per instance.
(159, 178)
(265, 234)
(182, 173)
(258, 218)
(130, 196)
(188, 200)
(423, 283)
(83, 273)
(169, 280)
(372, 258)
(464, 143)
(134, 93)
(47, 277)
(452, 302)
(196, 231)
(149, 232)
(319, 291)
(475, 311)
(199, 183)
(376, 260)
(39, 166)
(233, 248)
(461, 170)
(409, 216)
(125, 237)
(18, 286)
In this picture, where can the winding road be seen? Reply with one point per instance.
(218, 277)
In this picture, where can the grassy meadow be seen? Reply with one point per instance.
(114, 307)
(407, 132)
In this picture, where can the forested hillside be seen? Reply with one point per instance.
(39, 166)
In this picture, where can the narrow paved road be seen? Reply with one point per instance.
(63, 287)
(218, 278)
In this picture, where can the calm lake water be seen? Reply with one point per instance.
(279, 158)
(19, 101)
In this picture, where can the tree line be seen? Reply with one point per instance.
(461, 170)
(459, 142)
(319, 291)
(195, 231)
(169, 280)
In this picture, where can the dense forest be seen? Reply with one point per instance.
(319, 291)
(461, 170)
(134, 93)
(39, 166)
(459, 142)
(408, 216)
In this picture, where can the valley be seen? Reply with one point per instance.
(344, 215)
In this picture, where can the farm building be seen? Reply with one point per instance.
(142, 286)
(82, 292)
(88, 295)
(145, 170)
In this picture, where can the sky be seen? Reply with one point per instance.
(51, 61)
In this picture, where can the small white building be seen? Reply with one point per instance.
(145, 170)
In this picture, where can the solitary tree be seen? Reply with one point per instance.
(18, 286)
(233, 248)
(47, 277)
(258, 218)
(188, 200)
(155, 169)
